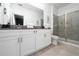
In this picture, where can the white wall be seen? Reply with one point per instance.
(38, 5)
(4, 18)
(30, 16)
(55, 11)
(48, 12)
(1, 14)
(51, 18)
(69, 8)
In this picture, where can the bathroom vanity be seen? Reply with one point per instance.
(20, 42)
(23, 30)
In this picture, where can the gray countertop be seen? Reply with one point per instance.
(21, 28)
(14, 27)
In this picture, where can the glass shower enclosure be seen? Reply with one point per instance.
(68, 26)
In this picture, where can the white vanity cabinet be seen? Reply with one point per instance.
(23, 42)
(9, 47)
(34, 40)
(40, 41)
(9, 43)
(43, 38)
(28, 42)
(47, 37)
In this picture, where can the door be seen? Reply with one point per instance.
(68, 27)
(40, 41)
(9, 46)
(47, 37)
(28, 42)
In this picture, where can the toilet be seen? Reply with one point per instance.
(54, 39)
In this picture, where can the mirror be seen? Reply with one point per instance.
(24, 15)
(19, 19)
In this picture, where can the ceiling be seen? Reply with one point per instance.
(60, 5)
(56, 5)
(28, 6)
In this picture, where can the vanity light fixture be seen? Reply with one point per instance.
(5, 10)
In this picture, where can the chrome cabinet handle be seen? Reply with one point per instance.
(34, 31)
(21, 39)
(18, 40)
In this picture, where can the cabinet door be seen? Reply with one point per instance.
(9, 46)
(42, 39)
(47, 37)
(28, 42)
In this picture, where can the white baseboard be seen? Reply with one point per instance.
(72, 44)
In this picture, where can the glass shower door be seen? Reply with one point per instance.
(55, 23)
(61, 26)
(73, 27)
(67, 26)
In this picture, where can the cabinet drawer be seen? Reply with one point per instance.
(9, 38)
(8, 33)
